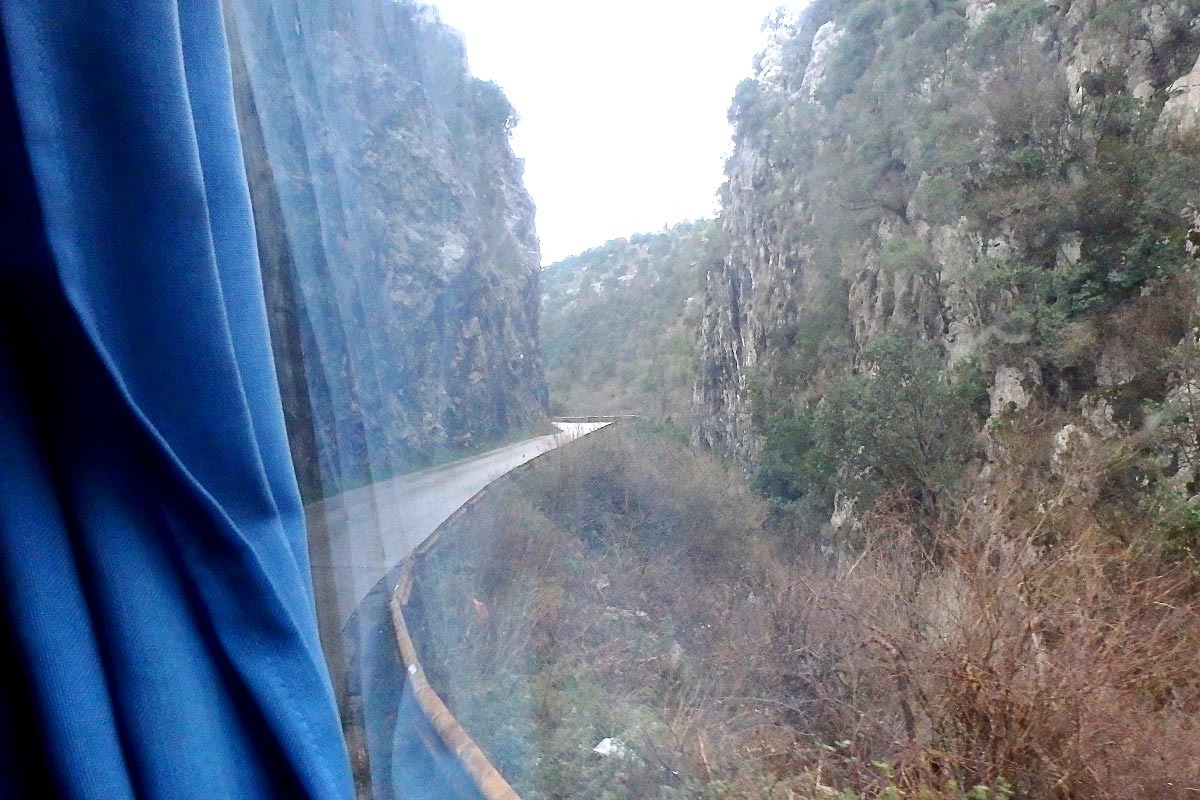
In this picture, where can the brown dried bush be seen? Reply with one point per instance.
(1047, 655)
(1041, 655)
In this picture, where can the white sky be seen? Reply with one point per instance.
(622, 104)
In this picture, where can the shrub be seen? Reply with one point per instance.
(792, 464)
(1010, 665)
(896, 428)
(1007, 23)
(614, 612)
(1044, 655)
(853, 54)
(493, 111)
(939, 199)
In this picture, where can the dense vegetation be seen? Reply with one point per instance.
(618, 323)
(960, 191)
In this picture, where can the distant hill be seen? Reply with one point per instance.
(619, 321)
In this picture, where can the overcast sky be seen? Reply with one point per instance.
(622, 104)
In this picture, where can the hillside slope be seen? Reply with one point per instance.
(618, 322)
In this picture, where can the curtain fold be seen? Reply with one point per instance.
(157, 606)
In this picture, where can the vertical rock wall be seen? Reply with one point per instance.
(397, 240)
(916, 169)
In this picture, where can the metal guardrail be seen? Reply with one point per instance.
(487, 778)
(473, 761)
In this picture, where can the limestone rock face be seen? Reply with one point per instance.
(855, 211)
(1012, 389)
(824, 41)
(1183, 107)
(397, 240)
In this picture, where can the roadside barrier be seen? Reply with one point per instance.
(487, 779)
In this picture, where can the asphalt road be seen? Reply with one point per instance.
(360, 535)
(356, 539)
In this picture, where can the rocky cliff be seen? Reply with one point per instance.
(955, 332)
(399, 254)
(1011, 185)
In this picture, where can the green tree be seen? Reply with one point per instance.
(898, 427)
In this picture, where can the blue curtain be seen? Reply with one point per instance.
(157, 627)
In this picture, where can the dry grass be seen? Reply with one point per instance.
(634, 592)
(1064, 672)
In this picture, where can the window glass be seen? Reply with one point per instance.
(908, 505)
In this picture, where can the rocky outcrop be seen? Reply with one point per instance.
(397, 240)
(1183, 108)
(936, 170)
